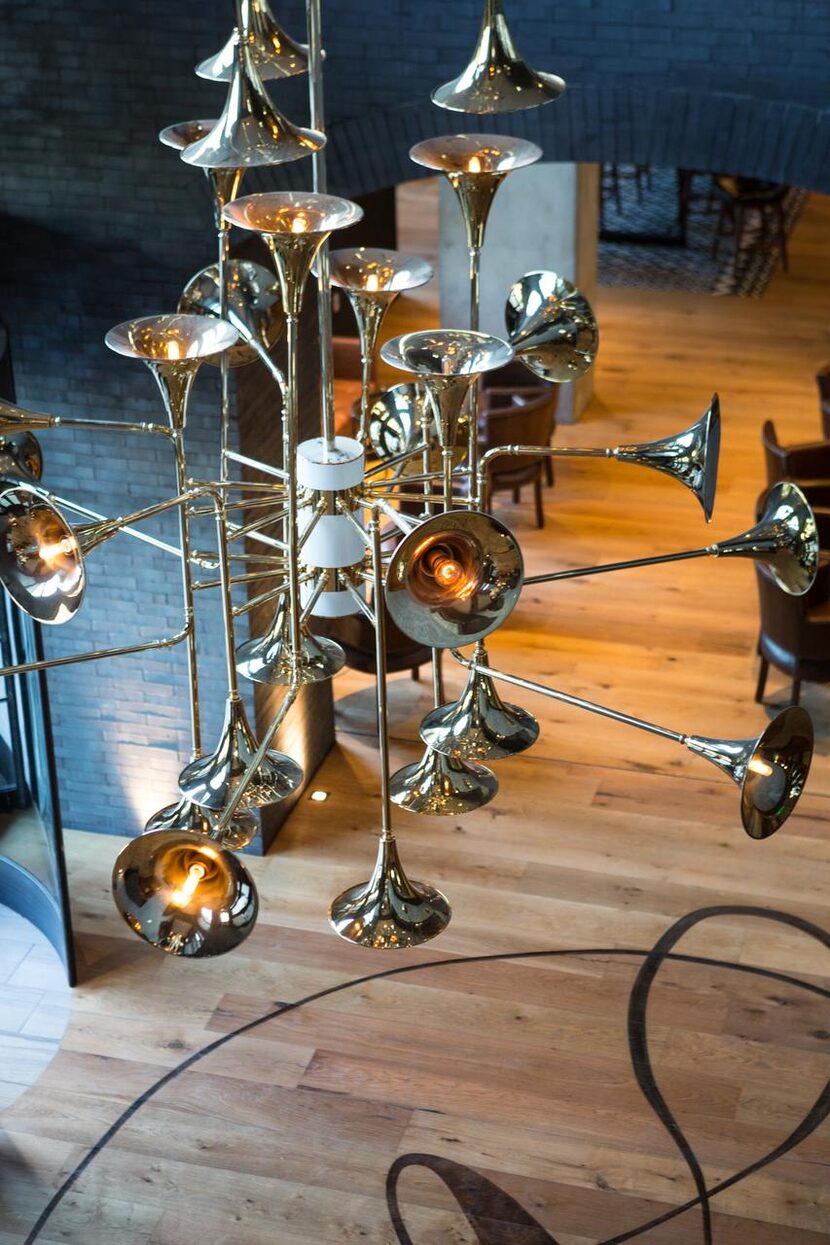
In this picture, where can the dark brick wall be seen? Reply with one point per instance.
(99, 224)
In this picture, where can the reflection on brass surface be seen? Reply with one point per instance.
(690, 456)
(442, 786)
(785, 539)
(182, 133)
(211, 780)
(171, 338)
(184, 894)
(496, 78)
(394, 421)
(372, 270)
(389, 912)
(41, 561)
(254, 308)
(770, 770)
(275, 53)
(185, 816)
(551, 326)
(479, 726)
(250, 131)
(454, 579)
(20, 455)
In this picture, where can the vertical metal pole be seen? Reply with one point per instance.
(380, 662)
(290, 434)
(224, 367)
(187, 593)
(319, 182)
(472, 405)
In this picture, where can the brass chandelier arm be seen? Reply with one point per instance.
(343, 509)
(320, 185)
(395, 461)
(99, 653)
(17, 419)
(145, 537)
(602, 568)
(541, 451)
(566, 698)
(365, 608)
(319, 511)
(250, 578)
(235, 457)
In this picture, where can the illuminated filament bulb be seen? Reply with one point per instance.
(474, 165)
(299, 223)
(58, 549)
(372, 283)
(446, 571)
(184, 894)
(173, 350)
(760, 767)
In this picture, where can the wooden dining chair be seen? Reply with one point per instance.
(512, 418)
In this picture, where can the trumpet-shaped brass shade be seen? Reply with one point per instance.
(394, 422)
(183, 133)
(690, 457)
(250, 131)
(187, 817)
(479, 726)
(41, 559)
(389, 912)
(267, 658)
(171, 338)
(551, 326)
(372, 270)
(274, 53)
(20, 456)
(212, 780)
(442, 786)
(254, 308)
(770, 770)
(785, 539)
(184, 894)
(496, 78)
(454, 579)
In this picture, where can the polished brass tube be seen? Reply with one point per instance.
(245, 461)
(602, 568)
(319, 185)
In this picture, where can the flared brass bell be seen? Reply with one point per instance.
(454, 579)
(20, 456)
(771, 770)
(785, 539)
(479, 726)
(394, 422)
(253, 306)
(224, 182)
(294, 224)
(442, 786)
(268, 658)
(551, 327)
(275, 53)
(475, 165)
(188, 818)
(448, 361)
(690, 457)
(184, 894)
(211, 780)
(389, 913)
(41, 555)
(497, 79)
(250, 131)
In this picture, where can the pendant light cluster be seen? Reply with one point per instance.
(454, 573)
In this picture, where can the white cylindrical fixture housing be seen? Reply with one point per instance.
(333, 543)
(330, 470)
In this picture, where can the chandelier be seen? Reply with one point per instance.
(412, 475)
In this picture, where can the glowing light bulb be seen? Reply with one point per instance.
(448, 572)
(52, 553)
(299, 223)
(185, 893)
(474, 165)
(760, 767)
(372, 283)
(173, 350)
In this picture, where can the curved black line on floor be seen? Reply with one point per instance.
(660, 953)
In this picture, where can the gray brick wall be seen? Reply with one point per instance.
(99, 224)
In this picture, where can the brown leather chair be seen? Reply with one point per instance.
(807, 464)
(516, 377)
(823, 382)
(795, 636)
(509, 417)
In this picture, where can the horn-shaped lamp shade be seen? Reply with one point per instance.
(184, 894)
(454, 579)
(41, 560)
(395, 420)
(551, 326)
(770, 770)
(250, 131)
(690, 457)
(275, 54)
(254, 307)
(479, 726)
(497, 79)
(187, 817)
(171, 338)
(785, 539)
(389, 912)
(20, 456)
(267, 658)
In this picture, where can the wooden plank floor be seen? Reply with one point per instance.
(511, 1079)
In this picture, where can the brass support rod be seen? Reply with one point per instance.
(709, 551)
(319, 183)
(243, 459)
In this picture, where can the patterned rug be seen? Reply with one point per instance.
(691, 268)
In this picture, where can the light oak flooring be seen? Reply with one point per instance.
(600, 839)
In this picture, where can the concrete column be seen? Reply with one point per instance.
(543, 217)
